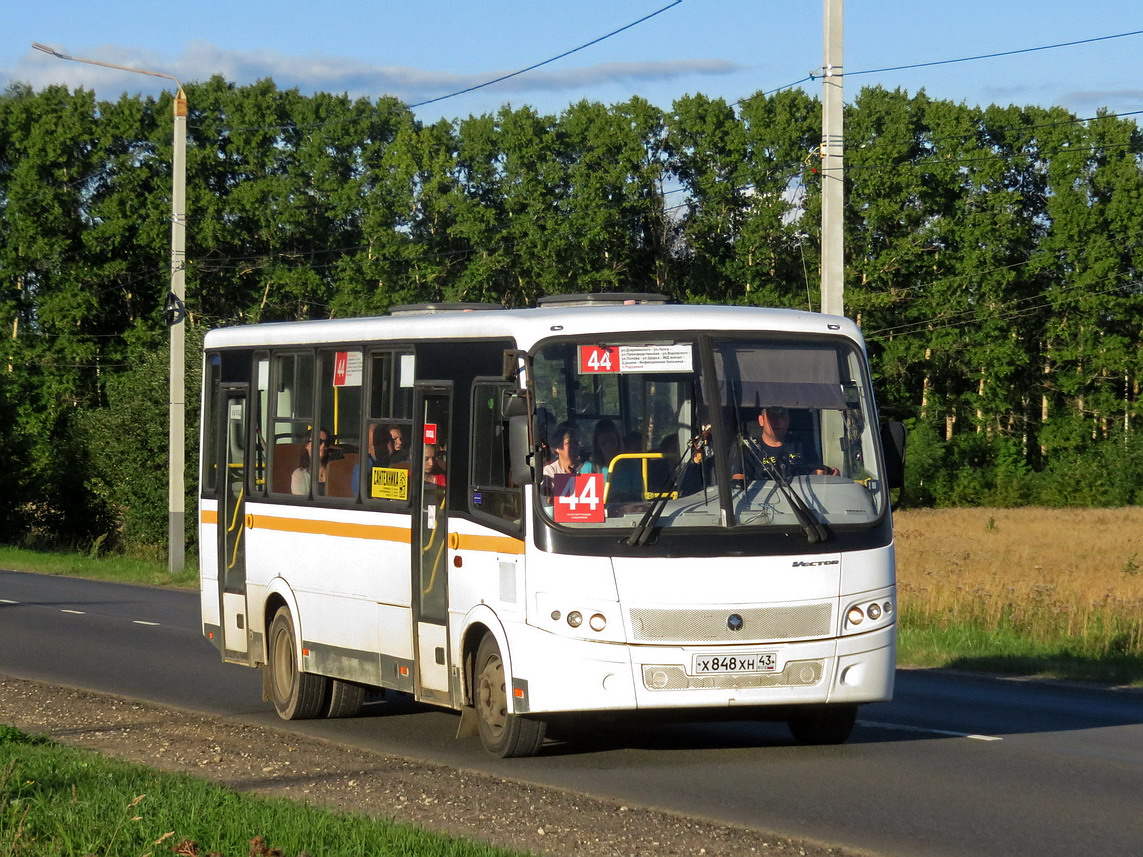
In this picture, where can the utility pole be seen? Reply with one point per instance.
(833, 160)
(176, 319)
(175, 312)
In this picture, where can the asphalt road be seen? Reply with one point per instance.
(955, 765)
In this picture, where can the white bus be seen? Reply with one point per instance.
(400, 504)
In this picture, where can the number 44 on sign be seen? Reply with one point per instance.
(578, 498)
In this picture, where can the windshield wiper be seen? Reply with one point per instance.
(642, 532)
(814, 529)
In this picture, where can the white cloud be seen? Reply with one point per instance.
(1117, 100)
(315, 72)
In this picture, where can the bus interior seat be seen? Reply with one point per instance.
(287, 457)
(625, 479)
(339, 475)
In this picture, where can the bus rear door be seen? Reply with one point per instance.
(232, 522)
(432, 407)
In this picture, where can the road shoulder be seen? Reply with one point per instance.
(501, 812)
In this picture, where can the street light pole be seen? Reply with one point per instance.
(176, 315)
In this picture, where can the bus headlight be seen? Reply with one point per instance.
(585, 619)
(869, 614)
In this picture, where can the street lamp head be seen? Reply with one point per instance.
(53, 52)
(47, 50)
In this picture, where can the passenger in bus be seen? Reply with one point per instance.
(372, 435)
(434, 473)
(397, 448)
(302, 477)
(633, 441)
(604, 447)
(565, 447)
(777, 450)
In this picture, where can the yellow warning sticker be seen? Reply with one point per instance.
(390, 483)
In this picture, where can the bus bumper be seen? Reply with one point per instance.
(593, 676)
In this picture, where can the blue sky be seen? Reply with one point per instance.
(729, 48)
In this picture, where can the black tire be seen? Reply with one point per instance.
(831, 725)
(296, 695)
(503, 735)
(345, 699)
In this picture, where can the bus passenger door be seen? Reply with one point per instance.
(232, 525)
(432, 406)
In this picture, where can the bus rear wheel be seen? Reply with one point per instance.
(346, 698)
(502, 733)
(296, 695)
(831, 725)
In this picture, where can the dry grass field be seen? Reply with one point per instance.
(1067, 582)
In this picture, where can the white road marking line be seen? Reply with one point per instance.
(905, 728)
(75, 612)
(141, 622)
(7, 601)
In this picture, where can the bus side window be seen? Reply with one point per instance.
(209, 462)
(341, 377)
(292, 416)
(492, 493)
(383, 470)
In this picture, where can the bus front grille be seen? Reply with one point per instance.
(715, 625)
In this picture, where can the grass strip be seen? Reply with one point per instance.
(113, 567)
(57, 801)
(1005, 650)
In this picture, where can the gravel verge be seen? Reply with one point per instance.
(501, 812)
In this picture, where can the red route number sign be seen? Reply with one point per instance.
(340, 368)
(578, 498)
(597, 358)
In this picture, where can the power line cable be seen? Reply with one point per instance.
(535, 66)
(993, 55)
(814, 75)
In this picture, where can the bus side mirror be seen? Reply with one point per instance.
(893, 445)
(520, 449)
(515, 412)
(512, 363)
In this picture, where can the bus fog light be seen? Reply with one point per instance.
(597, 622)
(575, 618)
(854, 616)
(874, 611)
(659, 679)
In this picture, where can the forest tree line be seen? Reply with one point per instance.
(992, 259)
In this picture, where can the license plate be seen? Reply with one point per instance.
(744, 662)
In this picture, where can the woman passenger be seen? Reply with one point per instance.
(604, 447)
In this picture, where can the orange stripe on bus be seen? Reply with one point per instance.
(331, 528)
(378, 532)
(496, 544)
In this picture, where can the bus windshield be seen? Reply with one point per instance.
(706, 431)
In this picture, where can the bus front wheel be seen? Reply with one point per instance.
(296, 695)
(503, 734)
(830, 725)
